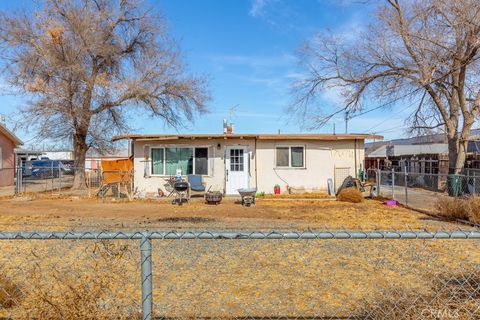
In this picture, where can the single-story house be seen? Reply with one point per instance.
(230, 161)
(8, 142)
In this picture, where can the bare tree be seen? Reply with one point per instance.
(86, 64)
(425, 51)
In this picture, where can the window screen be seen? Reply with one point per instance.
(282, 157)
(201, 160)
(297, 157)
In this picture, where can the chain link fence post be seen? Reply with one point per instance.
(393, 184)
(146, 260)
(52, 178)
(19, 182)
(406, 185)
(379, 176)
(59, 179)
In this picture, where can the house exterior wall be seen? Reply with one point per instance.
(321, 159)
(149, 184)
(7, 165)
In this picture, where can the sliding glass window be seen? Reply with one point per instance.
(166, 161)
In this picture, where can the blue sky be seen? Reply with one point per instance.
(247, 50)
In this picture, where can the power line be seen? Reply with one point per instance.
(405, 95)
(385, 120)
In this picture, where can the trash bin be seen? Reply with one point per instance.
(454, 185)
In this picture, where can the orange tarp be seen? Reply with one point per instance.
(116, 171)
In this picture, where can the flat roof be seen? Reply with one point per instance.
(282, 136)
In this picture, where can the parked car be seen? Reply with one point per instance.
(67, 167)
(46, 168)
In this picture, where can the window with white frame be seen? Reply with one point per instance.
(290, 157)
(190, 160)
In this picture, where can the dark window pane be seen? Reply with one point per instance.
(282, 157)
(179, 158)
(297, 157)
(201, 160)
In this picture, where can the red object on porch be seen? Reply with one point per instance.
(276, 189)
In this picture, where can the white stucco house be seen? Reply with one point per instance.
(228, 162)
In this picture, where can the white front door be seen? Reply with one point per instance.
(236, 165)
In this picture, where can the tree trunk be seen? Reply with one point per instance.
(457, 153)
(452, 153)
(80, 149)
(457, 149)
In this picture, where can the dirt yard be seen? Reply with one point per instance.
(51, 213)
(225, 279)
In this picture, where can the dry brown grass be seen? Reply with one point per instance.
(352, 195)
(452, 208)
(474, 210)
(450, 296)
(90, 282)
(222, 279)
(10, 293)
(303, 195)
(456, 208)
(93, 214)
(66, 280)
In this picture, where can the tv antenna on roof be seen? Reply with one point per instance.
(232, 111)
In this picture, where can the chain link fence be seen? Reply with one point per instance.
(59, 179)
(240, 275)
(422, 191)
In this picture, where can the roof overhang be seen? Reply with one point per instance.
(285, 136)
(10, 135)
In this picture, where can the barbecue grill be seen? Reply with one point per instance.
(181, 192)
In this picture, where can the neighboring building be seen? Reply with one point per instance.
(230, 161)
(420, 158)
(58, 155)
(8, 142)
(24, 155)
(422, 154)
(94, 159)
